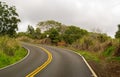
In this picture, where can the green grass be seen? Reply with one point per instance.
(7, 60)
(89, 55)
(10, 51)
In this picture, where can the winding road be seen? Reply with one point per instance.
(40, 63)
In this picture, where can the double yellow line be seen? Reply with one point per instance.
(32, 74)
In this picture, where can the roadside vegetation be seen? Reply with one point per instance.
(102, 53)
(10, 49)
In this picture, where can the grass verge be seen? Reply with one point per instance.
(10, 51)
(89, 55)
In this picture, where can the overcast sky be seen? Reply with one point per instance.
(87, 14)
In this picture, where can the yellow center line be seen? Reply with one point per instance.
(32, 74)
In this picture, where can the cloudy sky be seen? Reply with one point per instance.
(88, 14)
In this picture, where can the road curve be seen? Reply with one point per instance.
(35, 59)
(64, 64)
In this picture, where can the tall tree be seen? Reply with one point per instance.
(8, 19)
(117, 35)
(30, 29)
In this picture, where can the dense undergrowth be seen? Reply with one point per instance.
(10, 51)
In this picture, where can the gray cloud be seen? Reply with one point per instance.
(88, 14)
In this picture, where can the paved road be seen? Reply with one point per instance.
(64, 64)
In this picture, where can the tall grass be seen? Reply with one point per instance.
(10, 51)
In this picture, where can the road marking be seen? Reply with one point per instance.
(90, 68)
(93, 73)
(32, 74)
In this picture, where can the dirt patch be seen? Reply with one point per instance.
(106, 69)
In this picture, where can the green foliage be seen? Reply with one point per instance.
(30, 30)
(7, 60)
(33, 33)
(53, 35)
(43, 35)
(89, 55)
(93, 42)
(58, 31)
(72, 33)
(37, 33)
(117, 35)
(8, 45)
(8, 19)
(103, 37)
(109, 51)
(19, 34)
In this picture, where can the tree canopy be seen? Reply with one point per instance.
(8, 19)
(46, 25)
(57, 32)
(72, 33)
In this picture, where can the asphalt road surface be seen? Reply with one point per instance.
(64, 63)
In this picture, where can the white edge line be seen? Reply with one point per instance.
(28, 52)
(92, 71)
(94, 74)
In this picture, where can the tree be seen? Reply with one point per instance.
(37, 33)
(117, 35)
(8, 19)
(46, 25)
(33, 33)
(53, 35)
(30, 31)
(73, 33)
